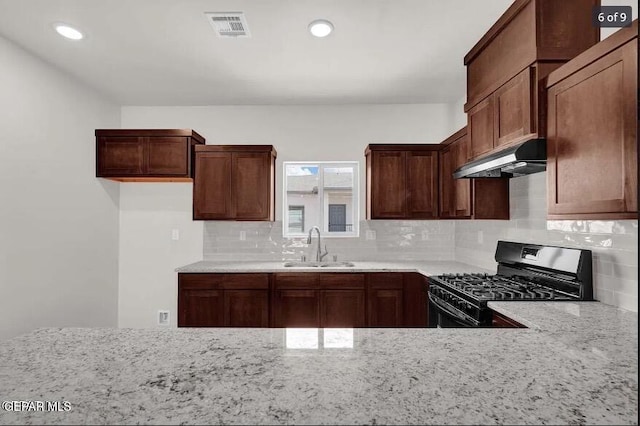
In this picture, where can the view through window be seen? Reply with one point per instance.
(322, 194)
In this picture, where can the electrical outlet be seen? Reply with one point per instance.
(425, 235)
(480, 237)
(243, 235)
(163, 317)
(370, 235)
(175, 234)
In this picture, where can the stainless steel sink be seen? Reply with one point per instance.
(318, 265)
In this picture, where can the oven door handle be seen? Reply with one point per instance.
(441, 305)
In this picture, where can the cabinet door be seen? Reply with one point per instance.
(200, 308)
(513, 109)
(591, 140)
(120, 156)
(384, 300)
(212, 186)
(342, 308)
(461, 202)
(422, 184)
(416, 304)
(296, 308)
(481, 126)
(251, 185)
(446, 183)
(167, 156)
(389, 185)
(246, 308)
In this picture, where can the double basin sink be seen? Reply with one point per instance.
(318, 265)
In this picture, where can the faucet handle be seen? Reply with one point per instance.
(326, 252)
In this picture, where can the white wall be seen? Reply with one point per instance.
(58, 224)
(299, 133)
(148, 254)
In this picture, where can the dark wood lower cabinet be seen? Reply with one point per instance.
(342, 308)
(500, 321)
(384, 294)
(384, 299)
(416, 303)
(296, 308)
(200, 308)
(223, 300)
(246, 308)
(319, 300)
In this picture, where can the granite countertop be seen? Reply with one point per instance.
(423, 267)
(577, 364)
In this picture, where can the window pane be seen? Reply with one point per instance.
(322, 195)
(296, 219)
(338, 197)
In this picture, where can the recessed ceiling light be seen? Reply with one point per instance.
(320, 28)
(69, 32)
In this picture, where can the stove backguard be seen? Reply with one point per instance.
(567, 269)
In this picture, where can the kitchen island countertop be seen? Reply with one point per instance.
(576, 364)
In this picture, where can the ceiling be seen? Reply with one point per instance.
(164, 52)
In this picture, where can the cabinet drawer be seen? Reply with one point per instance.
(385, 280)
(224, 281)
(341, 281)
(303, 280)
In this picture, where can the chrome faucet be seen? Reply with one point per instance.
(319, 254)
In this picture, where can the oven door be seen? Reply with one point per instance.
(443, 315)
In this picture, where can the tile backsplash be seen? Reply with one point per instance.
(378, 240)
(614, 243)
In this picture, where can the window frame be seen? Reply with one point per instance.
(355, 233)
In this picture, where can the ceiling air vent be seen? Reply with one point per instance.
(229, 24)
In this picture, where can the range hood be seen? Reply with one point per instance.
(523, 159)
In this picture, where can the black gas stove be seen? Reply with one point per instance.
(525, 272)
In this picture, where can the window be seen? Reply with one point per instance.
(323, 195)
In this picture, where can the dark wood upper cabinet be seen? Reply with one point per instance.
(251, 182)
(389, 185)
(468, 198)
(506, 69)
(402, 181)
(234, 182)
(422, 184)
(146, 154)
(212, 186)
(592, 132)
(447, 183)
(481, 124)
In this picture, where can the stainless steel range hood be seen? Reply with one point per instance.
(523, 159)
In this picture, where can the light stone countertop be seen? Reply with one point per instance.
(423, 267)
(577, 364)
